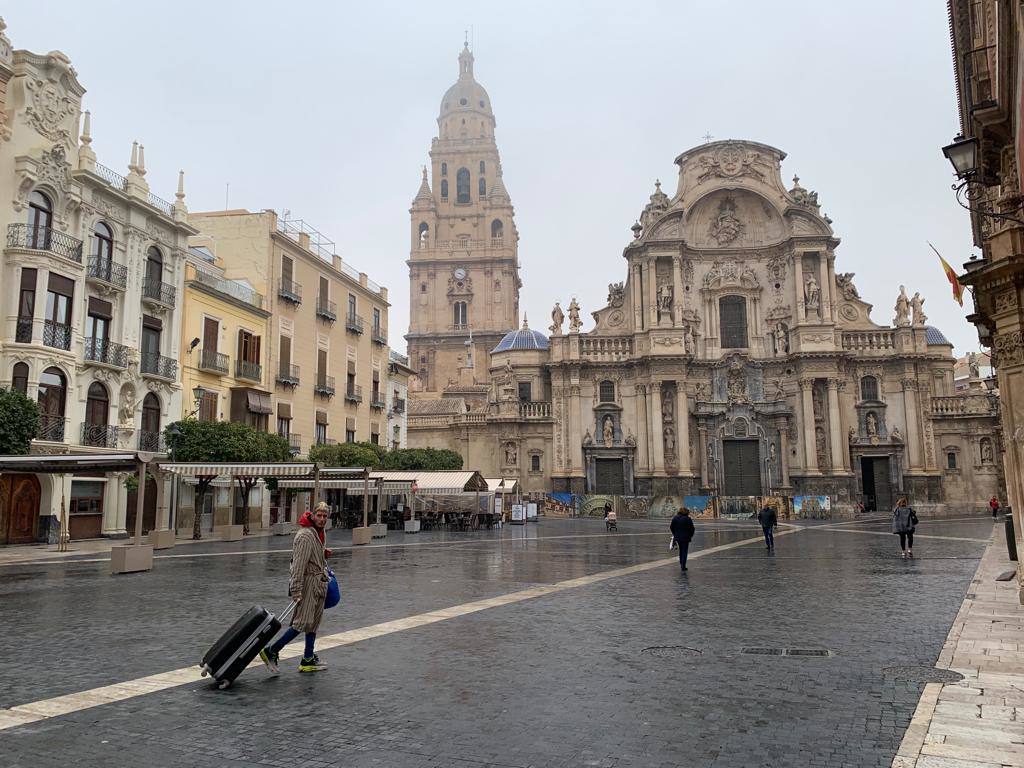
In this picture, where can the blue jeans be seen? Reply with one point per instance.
(769, 536)
(682, 546)
(290, 634)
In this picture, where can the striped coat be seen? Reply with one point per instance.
(308, 580)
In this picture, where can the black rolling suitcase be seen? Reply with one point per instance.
(237, 647)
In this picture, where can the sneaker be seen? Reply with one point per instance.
(311, 665)
(270, 658)
(903, 555)
(910, 554)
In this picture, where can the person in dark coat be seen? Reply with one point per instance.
(682, 533)
(768, 519)
(904, 520)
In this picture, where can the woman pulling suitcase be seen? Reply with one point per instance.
(307, 588)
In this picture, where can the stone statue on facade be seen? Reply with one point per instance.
(781, 337)
(986, 451)
(918, 317)
(780, 390)
(726, 227)
(511, 455)
(687, 340)
(897, 435)
(557, 318)
(667, 410)
(670, 441)
(772, 453)
(664, 298)
(616, 294)
(844, 281)
(608, 432)
(587, 439)
(973, 365)
(871, 424)
(574, 316)
(902, 319)
(812, 294)
(736, 385)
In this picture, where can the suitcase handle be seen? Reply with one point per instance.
(287, 612)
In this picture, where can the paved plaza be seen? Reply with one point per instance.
(555, 644)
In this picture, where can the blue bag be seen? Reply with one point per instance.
(333, 596)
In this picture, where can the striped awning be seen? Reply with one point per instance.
(438, 483)
(216, 468)
(350, 486)
(93, 462)
(502, 484)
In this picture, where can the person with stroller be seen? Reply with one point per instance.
(610, 518)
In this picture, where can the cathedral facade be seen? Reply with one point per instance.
(732, 361)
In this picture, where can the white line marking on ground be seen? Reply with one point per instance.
(66, 704)
(889, 533)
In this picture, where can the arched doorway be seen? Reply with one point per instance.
(19, 508)
(97, 410)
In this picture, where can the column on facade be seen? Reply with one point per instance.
(682, 428)
(658, 429)
(677, 290)
(163, 509)
(831, 283)
(642, 453)
(910, 414)
(798, 287)
(111, 501)
(784, 454)
(652, 293)
(835, 428)
(39, 311)
(637, 285)
(826, 289)
(575, 435)
(121, 520)
(702, 450)
(807, 417)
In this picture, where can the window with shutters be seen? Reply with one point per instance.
(732, 317)
(459, 313)
(248, 347)
(208, 406)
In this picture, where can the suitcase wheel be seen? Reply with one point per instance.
(224, 684)
(203, 673)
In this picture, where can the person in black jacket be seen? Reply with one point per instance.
(682, 532)
(768, 519)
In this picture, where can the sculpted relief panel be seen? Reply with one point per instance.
(733, 219)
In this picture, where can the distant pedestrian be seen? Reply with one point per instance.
(682, 533)
(308, 588)
(769, 519)
(904, 521)
(994, 506)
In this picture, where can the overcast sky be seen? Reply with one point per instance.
(327, 109)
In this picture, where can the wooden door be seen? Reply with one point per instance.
(609, 476)
(19, 508)
(211, 333)
(742, 465)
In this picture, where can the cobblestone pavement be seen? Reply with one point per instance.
(636, 670)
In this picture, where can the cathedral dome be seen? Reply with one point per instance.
(467, 95)
(522, 339)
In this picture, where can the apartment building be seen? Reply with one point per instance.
(399, 373)
(327, 339)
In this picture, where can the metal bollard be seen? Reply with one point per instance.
(1011, 541)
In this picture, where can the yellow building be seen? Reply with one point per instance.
(326, 343)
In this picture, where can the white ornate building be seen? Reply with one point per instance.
(733, 360)
(92, 273)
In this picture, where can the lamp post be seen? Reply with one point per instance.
(963, 155)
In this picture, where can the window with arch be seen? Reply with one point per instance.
(483, 167)
(149, 437)
(462, 186)
(732, 317)
(97, 410)
(535, 463)
(607, 391)
(444, 189)
(951, 460)
(868, 388)
(102, 243)
(52, 393)
(154, 265)
(483, 187)
(424, 234)
(40, 219)
(19, 378)
(459, 313)
(444, 169)
(497, 229)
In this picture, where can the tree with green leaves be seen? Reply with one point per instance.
(347, 455)
(19, 422)
(212, 441)
(422, 458)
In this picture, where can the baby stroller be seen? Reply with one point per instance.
(611, 520)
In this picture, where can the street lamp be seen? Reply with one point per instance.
(963, 155)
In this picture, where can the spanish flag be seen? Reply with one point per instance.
(958, 289)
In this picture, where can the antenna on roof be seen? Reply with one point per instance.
(227, 190)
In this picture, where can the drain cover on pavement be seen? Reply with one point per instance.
(923, 674)
(670, 651)
(820, 652)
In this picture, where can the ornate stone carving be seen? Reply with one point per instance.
(902, 318)
(844, 282)
(608, 431)
(729, 161)
(812, 294)
(725, 228)
(1006, 300)
(780, 339)
(54, 169)
(668, 341)
(49, 109)
(1008, 349)
(918, 317)
(908, 383)
(777, 269)
(736, 383)
(574, 316)
(616, 318)
(511, 454)
(616, 294)
(729, 273)
(688, 271)
(557, 318)
(802, 197)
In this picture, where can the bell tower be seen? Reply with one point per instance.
(463, 262)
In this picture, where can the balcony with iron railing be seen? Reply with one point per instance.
(23, 330)
(353, 323)
(379, 336)
(157, 292)
(212, 361)
(151, 442)
(158, 366)
(324, 385)
(288, 375)
(326, 309)
(52, 427)
(289, 290)
(294, 443)
(398, 405)
(47, 239)
(377, 400)
(101, 435)
(105, 352)
(230, 288)
(112, 177)
(57, 335)
(354, 394)
(247, 369)
(326, 441)
(107, 271)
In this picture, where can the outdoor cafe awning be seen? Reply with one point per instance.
(502, 484)
(216, 468)
(350, 485)
(90, 462)
(440, 483)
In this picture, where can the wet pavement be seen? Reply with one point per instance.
(645, 669)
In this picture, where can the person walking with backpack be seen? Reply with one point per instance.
(904, 521)
(307, 587)
(682, 533)
(769, 519)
